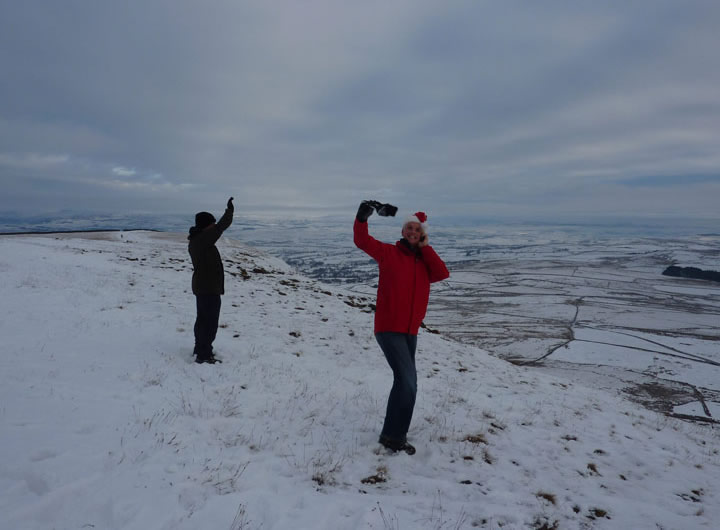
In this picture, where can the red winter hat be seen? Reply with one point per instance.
(417, 217)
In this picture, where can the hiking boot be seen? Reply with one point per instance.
(409, 449)
(207, 360)
(396, 445)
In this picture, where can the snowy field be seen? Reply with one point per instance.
(589, 303)
(107, 423)
(600, 312)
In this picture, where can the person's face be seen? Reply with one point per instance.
(412, 232)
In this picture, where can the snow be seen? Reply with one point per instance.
(695, 409)
(686, 290)
(107, 423)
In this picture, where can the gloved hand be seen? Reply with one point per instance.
(230, 204)
(364, 211)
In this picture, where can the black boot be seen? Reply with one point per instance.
(207, 360)
(396, 445)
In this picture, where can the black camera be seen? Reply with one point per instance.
(383, 209)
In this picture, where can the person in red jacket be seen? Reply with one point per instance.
(407, 269)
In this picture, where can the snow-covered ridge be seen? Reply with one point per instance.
(107, 423)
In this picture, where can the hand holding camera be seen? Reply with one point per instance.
(383, 209)
(364, 211)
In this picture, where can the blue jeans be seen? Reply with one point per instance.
(206, 323)
(399, 350)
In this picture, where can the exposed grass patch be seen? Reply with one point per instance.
(597, 513)
(694, 495)
(475, 439)
(378, 478)
(487, 457)
(551, 498)
(541, 523)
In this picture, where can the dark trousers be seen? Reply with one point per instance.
(399, 350)
(206, 323)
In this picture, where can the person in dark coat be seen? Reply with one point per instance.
(208, 279)
(407, 269)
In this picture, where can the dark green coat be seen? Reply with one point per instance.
(208, 276)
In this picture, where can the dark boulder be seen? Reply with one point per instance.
(692, 272)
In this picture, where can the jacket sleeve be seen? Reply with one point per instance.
(209, 237)
(437, 270)
(225, 220)
(365, 242)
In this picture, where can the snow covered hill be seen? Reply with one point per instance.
(107, 423)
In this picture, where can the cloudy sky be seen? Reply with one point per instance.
(472, 107)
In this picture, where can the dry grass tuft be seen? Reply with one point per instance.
(475, 439)
(552, 499)
(377, 478)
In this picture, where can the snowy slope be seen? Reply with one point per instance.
(107, 423)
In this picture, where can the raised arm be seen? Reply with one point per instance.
(227, 217)
(367, 243)
(361, 237)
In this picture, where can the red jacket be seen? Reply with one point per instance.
(405, 278)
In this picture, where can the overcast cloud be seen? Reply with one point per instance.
(470, 107)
